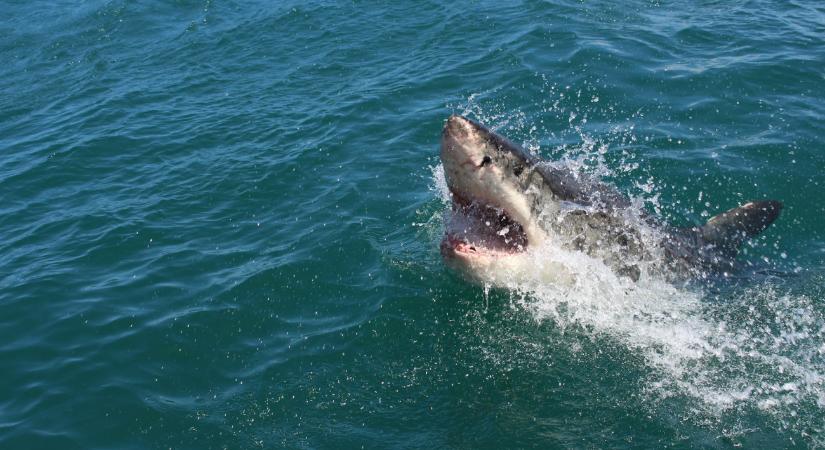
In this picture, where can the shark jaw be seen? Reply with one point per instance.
(483, 244)
(478, 229)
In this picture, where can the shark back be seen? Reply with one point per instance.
(583, 189)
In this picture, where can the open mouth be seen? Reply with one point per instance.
(478, 229)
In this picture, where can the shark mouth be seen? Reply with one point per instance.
(478, 229)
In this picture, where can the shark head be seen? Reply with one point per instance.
(494, 191)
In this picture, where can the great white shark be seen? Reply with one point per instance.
(507, 203)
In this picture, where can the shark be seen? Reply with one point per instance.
(509, 206)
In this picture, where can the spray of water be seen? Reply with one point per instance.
(751, 350)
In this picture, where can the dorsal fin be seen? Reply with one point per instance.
(727, 231)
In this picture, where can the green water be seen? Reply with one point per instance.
(220, 221)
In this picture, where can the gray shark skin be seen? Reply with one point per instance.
(507, 201)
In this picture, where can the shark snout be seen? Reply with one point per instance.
(462, 140)
(458, 128)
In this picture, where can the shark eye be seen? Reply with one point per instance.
(486, 160)
(518, 170)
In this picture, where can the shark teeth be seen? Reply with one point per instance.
(480, 229)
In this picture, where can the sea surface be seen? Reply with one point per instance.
(219, 224)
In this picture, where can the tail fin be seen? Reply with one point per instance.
(727, 231)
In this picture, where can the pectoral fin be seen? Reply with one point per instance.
(727, 231)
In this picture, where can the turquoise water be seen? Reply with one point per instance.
(220, 225)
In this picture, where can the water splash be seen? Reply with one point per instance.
(728, 352)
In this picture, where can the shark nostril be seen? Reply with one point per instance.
(486, 160)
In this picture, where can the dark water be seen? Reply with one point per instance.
(220, 220)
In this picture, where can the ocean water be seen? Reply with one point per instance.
(220, 221)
